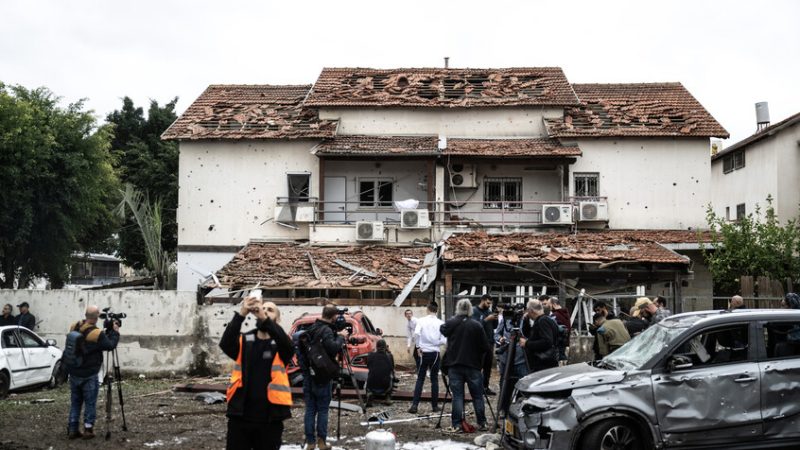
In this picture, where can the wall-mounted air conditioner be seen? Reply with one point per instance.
(558, 214)
(463, 176)
(592, 211)
(294, 213)
(414, 219)
(369, 231)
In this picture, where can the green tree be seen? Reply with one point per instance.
(756, 245)
(151, 166)
(57, 182)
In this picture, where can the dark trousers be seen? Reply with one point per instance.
(416, 357)
(488, 362)
(243, 435)
(429, 361)
(459, 375)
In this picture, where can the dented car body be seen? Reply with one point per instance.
(709, 379)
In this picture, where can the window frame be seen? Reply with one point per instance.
(502, 203)
(289, 187)
(750, 354)
(375, 203)
(764, 342)
(586, 176)
(733, 161)
(743, 213)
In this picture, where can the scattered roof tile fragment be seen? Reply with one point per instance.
(388, 146)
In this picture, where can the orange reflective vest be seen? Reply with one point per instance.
(279, 392)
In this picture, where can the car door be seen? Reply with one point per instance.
(40, 361)
(715, 399)
(780, 378)
(17, 362)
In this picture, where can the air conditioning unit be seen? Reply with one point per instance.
(592, 211)
(369, 231)
(414, 219)
(559, 214)
(463, 176)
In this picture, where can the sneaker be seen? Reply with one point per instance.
(488, 391)
(88, 433)
(322, 445)
(435, 408)
(483, 428)
(75, 434)
(454, 430)
(413, 409)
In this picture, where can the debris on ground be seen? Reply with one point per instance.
(210, 398)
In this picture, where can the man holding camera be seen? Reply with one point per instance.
(317, 392)
(509, 322)
(83, 381)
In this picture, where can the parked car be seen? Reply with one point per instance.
(27, 360)
(363, 340)
(713, 379)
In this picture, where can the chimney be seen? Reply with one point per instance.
(762, 116)
(446, 62)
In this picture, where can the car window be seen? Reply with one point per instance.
(716, 346)
(782, 339)
(368, 325)
(29, 340)
(10, 339)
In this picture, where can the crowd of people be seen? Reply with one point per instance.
(23, 319)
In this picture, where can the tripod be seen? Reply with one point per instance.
(345, 357)
(448, 393)
(504, 398)
(112, 359)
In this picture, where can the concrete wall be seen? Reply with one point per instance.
(193, 267)
(166, 331)
(650, 183)
(474, 122)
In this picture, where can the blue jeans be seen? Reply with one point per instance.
(83, 392)
(474, 380)
(318, 401)
(429, 360)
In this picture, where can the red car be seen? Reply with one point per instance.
(363, 340)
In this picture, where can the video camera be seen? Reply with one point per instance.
(340, 323)
(514, 312)
(110, 317)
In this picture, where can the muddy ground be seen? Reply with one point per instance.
(158, 417)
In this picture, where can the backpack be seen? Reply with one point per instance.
(321, 366)
(73, 350)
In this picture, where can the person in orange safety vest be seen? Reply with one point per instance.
(259, 394)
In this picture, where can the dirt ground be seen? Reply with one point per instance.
(159, 418)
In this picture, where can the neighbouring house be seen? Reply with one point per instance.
(94, 269)
(401, 173)
(764, 164)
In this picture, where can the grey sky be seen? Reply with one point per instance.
(729, 54)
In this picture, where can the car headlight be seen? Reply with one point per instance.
(531, 437)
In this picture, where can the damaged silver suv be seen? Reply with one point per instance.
(712, 379)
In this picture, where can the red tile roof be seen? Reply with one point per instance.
(643, 109)
(250, 112)
(286, 266)
(437, 87)
(428, 146)
(606, 246)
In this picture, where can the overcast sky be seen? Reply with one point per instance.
(729, 54)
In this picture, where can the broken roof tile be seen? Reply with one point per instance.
(250, 112)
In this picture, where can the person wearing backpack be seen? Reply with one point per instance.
(82, 361)
(317, 391)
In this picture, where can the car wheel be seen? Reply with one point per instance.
(613, 434)
(5, 384)
(57, 377)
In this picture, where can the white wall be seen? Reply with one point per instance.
(749, 185)
(787, 145)
(473, 122)
(193, 267)
(650, 183)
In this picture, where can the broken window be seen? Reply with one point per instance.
(375, 193)
(299, 187)
(740, 211)
(502, 193)
(718, 346)
(587, 184)
(733, 161)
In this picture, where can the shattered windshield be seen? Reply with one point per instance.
(640, 349)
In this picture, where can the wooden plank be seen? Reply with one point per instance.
(354, 268)
(407, 290)
(314, 267)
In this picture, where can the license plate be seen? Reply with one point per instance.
(509, 427)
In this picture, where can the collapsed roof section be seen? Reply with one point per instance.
(388, 146)
(250, 112)
(290, 266)
(442, 88)
(641, 109)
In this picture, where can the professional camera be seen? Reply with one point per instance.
(514, 312)
(110, 317)
(340, 323)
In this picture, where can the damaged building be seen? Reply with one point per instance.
(430, 182)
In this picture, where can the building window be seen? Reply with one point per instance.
(587, 184)
(727, 213)
(299, 186)
(502, 193)
(375, 193)
(733, 161)
(740, 211)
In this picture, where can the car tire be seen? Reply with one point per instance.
(617, 434)
(57, 377)
(5, 384)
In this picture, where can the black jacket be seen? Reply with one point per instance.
(466, 343)
(380, 366)
(542, 338)
(95, 343)
(332, 342)
(26, 320)
(229, 343)
(11, 320)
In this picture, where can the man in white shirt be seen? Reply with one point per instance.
(429, 340)
(411, 343)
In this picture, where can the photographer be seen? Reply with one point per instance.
(488, 320)
(509, 322)
(259, 395)
(541, 339)
(83, 382)
(317, 393)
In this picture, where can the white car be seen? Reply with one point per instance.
(27, 360)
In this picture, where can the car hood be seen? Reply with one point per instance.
(569, 377)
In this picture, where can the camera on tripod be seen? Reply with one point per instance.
(110, 317)
(340, 323)
(513, 312)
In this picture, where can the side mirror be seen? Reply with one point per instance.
(356, 340)
(679, 362)
(379, 331)
(51, 342)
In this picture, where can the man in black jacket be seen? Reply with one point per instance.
(25, 318)
(541, 342)
(83, 380)
(466, 348)
(259, 396)
(317, 393)
(488, 320)
(380, 377)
